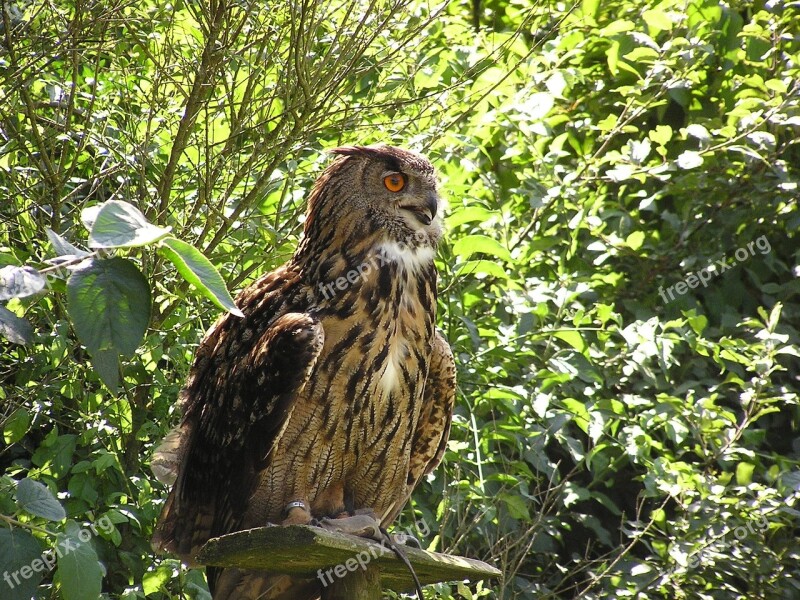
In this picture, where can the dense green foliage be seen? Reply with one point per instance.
(619, 281)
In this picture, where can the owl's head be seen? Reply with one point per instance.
(376, 194)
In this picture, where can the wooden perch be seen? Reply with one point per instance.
(349, 566)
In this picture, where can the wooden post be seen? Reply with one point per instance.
(351, 568)
(359, 585)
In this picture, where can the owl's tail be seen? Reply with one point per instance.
(180, 529)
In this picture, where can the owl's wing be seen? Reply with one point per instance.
(242, 389)
(433, 428)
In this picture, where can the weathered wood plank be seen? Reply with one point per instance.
(359, 585)
(316, 552)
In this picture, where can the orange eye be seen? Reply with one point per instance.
(395, 182)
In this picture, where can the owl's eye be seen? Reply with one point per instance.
(395, 182)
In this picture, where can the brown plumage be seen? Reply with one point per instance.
(334, 389)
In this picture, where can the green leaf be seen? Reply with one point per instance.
(661, 134)
(15, 329)
(471, 244)
(106, 364)
(19, 553)
(744, 473)
(468, 214)
(571, 337)
(109, 304)
(16, 426)
(657, 20)
(153, 581)
(79, 571)
(617, 26)
(122, 225)
(481, 267)
(589, 8)
(198, 270)
(689, 160)
(18, 282)
(516, 505)
(642, 54)
(578, 411)
(37, 499)
(54, 454)
(464, 591)
(62, 246)
(635, 240)
(196, 585)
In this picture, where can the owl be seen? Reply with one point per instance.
(333, 395)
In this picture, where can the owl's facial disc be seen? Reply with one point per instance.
(412, 197)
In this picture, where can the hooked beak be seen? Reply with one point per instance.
(425, 212)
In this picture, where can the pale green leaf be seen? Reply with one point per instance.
(467, 214)
(153, 581)
(198, 270)
(121, 225)
(19, 282)
(635, 240)
(690, 160)
(657, 20)
(483, 244)
(62, 246)
(661, 135)
(481, 267)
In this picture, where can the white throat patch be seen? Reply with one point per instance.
(407, 258)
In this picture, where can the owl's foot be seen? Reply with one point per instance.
(297, 513)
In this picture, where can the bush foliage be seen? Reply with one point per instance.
(619, 282)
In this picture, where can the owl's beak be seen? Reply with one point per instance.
(426, 211)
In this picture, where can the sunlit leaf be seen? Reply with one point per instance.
(16, 426)
(198, 270)
(690, 160)
(119, 224)
(481, 267)
(155, 580)
(19, 282)
(483, 244)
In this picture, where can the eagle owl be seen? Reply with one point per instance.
(334, 393)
